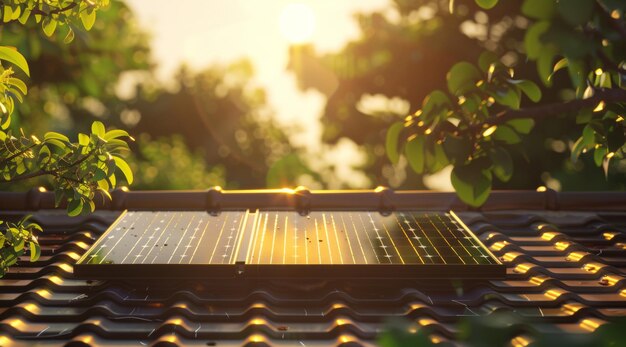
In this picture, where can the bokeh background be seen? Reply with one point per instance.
(248, 94)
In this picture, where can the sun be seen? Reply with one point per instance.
(297, 23)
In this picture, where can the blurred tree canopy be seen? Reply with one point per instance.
(224, 118)
(473, 71)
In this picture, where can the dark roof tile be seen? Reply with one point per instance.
(565, 271)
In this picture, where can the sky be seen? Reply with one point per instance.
(204, 32)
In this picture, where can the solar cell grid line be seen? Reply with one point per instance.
(160, 228)
(191, 239)
(119, 239)
(146, 230)
(367, 234)
(325, 224)
(444, 229)
(204, 232)
(465, 240)
(334, 231)
(382, 222)
(228, 248)
(185, 230)
(408, 224)
(358, 238)
(156, 243)
(273, 239)
(422, 246)
(262, 241)
(306, 242)
(425, 235)
(460, 240)
(253, 236)
(242, 228)
(295, 259)
(485, 252)
(219, 237)
(450, 259)
(127, 248)
(347, 234)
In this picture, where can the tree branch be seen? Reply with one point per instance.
(616, 24)
(606, 95)
(54, 173)
(15, 155)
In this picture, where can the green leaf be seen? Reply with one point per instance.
(69, 37)
(35, 251)
(559, 65)
(521, 125)
(49, 26)
(584, 116)
(105, 192)
(113, 134)
(472, 183)
(19, 84)
(434, 101)
(532, 39)
(576, 70)
(486, 59)
(585, 142)
(11, 55)
(462, 77)
(75, 207)
(414, 151)
(575, 12)
(98, 129)
(88, 18)
(457, 148)
(54, 135)
(506, 134)
(83, 140)
(598, 155)
(391, 144)
(8, 13)
(24, 16)
(508, 97)
(123, 166)
(487, 4)
(502, 164)
(544, 65)
(538, 9)
(531, 89)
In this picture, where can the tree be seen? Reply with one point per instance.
(544, 62)
(223, 117)
(77, 170)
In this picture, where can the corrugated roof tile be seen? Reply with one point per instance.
(565, 271)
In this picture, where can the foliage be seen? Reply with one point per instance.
(478, 122)
(518, 79)
(76, 169)
(222, 116)
(15, 239)
(501, 329)
(167, 163)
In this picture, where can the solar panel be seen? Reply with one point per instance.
(269, 244)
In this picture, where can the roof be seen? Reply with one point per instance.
(565, 272)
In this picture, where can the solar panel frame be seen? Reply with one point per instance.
(249, 233)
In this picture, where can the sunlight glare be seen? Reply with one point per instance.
(297, 23)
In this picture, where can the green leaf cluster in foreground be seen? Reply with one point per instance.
(15, 239)
(77, 170)
(479, 123)
(454, 128)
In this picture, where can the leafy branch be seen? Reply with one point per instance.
(77, 169)
(478, 121)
